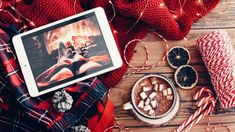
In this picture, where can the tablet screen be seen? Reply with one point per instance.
(66, 51)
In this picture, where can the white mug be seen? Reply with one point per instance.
(153, 119)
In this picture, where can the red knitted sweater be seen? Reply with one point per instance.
(164, 16)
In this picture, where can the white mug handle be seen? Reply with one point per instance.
(127, 106)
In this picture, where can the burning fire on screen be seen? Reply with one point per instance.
(78, 33)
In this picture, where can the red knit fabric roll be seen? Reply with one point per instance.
(158, 14)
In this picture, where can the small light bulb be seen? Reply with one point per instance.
(141, 14)
(17, 20)
(161, 5)
(198, 14)
(175, 16)
(115, 32)
(32, 24)
(181, 10)
(199, 2)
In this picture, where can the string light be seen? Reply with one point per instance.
(114, 11)
(140, 16)
(20, 19)
(199, 2)
(175, 16)
(30, 24)
(198, 14)
(115, 31)
(0, 4)
(162, 5)
(74, 6)
(177, 13)
(132, 27)
(1, 100)
(15, 19)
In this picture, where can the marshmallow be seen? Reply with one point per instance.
(165, 92)
(145, 89)
(151, 112)
(143, 95)
(156, 87)
(169, 97)
(147, 101)
(169, 91)
(143, 83)
(147, 108)
(154, 103)
(141, 104)
(153, 80)
(152, 95)
(161, 87)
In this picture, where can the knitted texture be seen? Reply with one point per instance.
(155, 14)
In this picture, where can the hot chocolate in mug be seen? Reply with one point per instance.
(153, 99)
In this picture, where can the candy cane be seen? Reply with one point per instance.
(206, 106)
(201, 116)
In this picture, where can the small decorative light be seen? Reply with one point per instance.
(175, 16)
(115, 32)
(17, 20)
(161, 5)
(198, 14)
(181, 10)
(32, 24)
(0, 4)
(1, 101)
(141, 14)
(199, 2)
(25, 27)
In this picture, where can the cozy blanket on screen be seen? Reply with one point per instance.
(18, 111)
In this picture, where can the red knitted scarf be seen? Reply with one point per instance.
(165, 16)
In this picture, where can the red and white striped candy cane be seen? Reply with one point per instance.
(201, 116)
(206, 105)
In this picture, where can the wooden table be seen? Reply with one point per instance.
(120, 93)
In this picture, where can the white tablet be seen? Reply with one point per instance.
(66, 51)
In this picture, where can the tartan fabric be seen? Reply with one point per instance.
(20, 112)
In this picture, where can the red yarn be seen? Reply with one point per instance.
(128, 11)
(218, 55)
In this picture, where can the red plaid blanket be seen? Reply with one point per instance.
(20, 112)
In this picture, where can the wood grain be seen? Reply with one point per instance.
(120, 93)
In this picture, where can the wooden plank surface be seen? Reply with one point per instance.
(121, 92)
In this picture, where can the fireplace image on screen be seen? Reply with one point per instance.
(77, 49)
